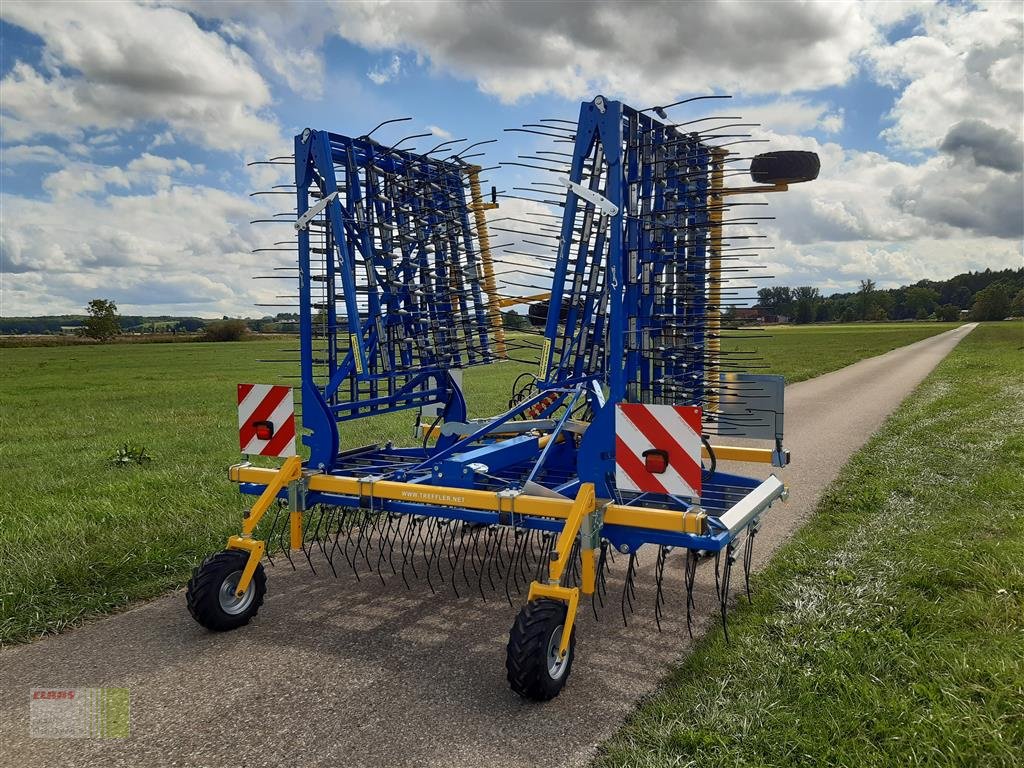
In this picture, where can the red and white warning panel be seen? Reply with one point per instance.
(266, 420)
(657, 448)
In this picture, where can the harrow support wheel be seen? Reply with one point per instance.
(535, 669)
(211, 594)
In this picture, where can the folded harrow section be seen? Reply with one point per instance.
(392, 285)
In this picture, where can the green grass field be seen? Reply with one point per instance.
(804, 351)
(80, 536)
(890, 630)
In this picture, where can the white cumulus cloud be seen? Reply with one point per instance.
(183, 249)
(650, 51)
(111, 66)
(386, 73)
(965, 63)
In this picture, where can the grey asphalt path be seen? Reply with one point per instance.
(338, 672)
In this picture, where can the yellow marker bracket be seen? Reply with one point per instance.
(740, 453)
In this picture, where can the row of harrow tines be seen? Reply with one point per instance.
(475, 560)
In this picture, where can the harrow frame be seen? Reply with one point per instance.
(634, 317)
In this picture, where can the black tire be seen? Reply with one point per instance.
(530, 671)
(210, 594)
(785, 167)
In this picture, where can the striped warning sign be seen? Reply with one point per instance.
(657, 448)
(266, 420)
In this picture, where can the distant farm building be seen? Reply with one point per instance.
(758, 314)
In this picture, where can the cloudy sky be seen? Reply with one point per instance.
(126, 128)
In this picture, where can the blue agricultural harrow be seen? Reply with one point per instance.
(611, 444)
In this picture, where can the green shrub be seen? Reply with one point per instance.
(225, 330)
(129, 454)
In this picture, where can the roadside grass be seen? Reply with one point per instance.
(80, 536)
(805, 351)
(890, 630)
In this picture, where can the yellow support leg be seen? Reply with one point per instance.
(714, 324)
(255, 548)
(289, 472)
(584, 505)
(568, 595)
(295, 529)
(588, 558)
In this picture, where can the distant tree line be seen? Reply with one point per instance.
(97, 322)
(988, 295)
(54, 324)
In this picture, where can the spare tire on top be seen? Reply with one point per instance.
(789, 167)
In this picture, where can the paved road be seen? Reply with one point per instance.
(335, 672)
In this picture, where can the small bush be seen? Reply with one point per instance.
(225, 330)
(130, 454)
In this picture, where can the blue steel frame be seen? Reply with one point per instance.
(634, 283)
(402, 220)
(661, 225)
(628, 285)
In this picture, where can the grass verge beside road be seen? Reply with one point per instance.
(79, 536)
(804, 351)
(890, 630)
